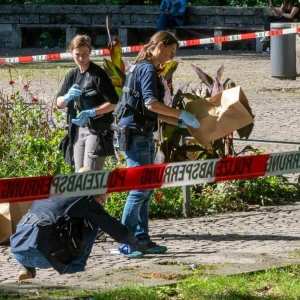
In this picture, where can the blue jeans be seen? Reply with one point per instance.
(136, 211)
(165, 21)
(35, 259)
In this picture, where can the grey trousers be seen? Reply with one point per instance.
(84, 146)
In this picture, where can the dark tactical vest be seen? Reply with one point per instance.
(132, 103)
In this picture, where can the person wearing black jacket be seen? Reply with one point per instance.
(89, 94)
(60, 233)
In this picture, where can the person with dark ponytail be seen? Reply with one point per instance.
(140, 107)
(288, 12)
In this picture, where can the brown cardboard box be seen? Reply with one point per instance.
(220, 115)
(10, 215)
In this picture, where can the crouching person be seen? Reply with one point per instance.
(60, 233)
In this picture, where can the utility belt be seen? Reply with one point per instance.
(96, 125)
(147, 121)
(101, 128)
(123, 135)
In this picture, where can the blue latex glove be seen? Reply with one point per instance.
(189, 119)
(73, 92)
(83, 116)
(181, 124)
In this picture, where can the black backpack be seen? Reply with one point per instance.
(63, 240)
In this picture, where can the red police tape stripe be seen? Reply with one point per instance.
(25, 189)
(241, 167)
(128, 49)
(149, 177)
(143, 177)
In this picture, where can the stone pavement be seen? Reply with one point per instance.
(225, 243)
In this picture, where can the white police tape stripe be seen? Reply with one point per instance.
(176, 174)
(80, 184)
(149, 177)
(128, 49)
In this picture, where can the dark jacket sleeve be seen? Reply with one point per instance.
(67, 84)
(110, 225)
(106, 88)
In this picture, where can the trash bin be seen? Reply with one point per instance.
(283, 53)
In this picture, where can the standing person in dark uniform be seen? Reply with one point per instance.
(60, 233)
(88, 89)
(140, 107)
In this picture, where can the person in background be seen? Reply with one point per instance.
(140, 106)
(88, 89)
(287, 12)
(171, 14)
(60, 233)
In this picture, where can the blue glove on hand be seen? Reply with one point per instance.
(73, 92)
(181, 124)
(83, 116)
(189, 119)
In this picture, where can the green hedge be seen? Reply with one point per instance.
(259, 3)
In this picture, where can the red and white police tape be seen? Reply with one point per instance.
(187, 43)
(149, 177)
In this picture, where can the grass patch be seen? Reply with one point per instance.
(274, 283)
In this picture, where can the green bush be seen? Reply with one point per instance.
(30, 133)
(258, 3)
(78, 2)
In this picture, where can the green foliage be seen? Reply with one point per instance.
(167, 202)
(282, 283)
(238, 195)
(258, 3)
(50, 39)
(76, 2)
(30, 133)
(273, 283)
(211, 198)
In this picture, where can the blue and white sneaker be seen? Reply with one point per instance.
(128, 252)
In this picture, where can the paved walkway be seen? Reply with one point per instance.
(226, 243)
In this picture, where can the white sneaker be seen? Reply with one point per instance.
(268, 51)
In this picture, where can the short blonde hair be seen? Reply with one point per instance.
(80, 40)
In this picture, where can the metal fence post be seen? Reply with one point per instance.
(186, 191)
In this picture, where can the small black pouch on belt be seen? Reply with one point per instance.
(104, 145)
(123, 134)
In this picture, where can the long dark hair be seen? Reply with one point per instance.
(287, 5)
(164, 36)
